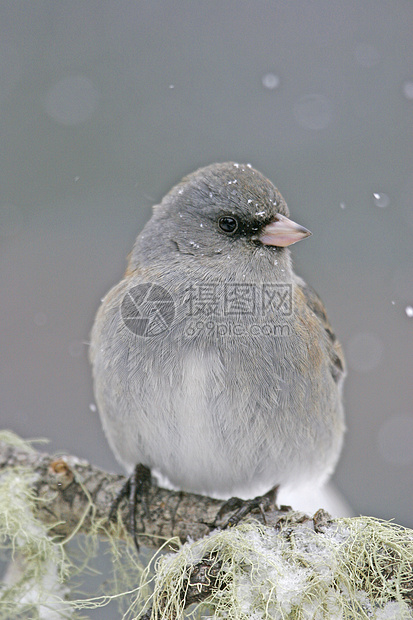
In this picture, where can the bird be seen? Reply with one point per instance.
(214, 364)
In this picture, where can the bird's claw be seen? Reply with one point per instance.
(135, 489)
(243, 508)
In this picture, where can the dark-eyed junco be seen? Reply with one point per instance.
(214, 364)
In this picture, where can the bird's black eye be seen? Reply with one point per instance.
(228, 224)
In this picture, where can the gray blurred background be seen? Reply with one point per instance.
(105, 105)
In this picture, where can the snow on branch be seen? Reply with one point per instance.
(283, 564)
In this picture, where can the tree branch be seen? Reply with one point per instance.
(350, 564)
(73, 493)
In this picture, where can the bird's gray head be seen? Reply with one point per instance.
(224, 209)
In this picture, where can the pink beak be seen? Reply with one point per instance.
(283, 232)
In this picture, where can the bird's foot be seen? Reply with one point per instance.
(242, 508)
(135, 489)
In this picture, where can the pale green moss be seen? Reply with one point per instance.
(36, 577)
(35, 584)
(358, 569)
